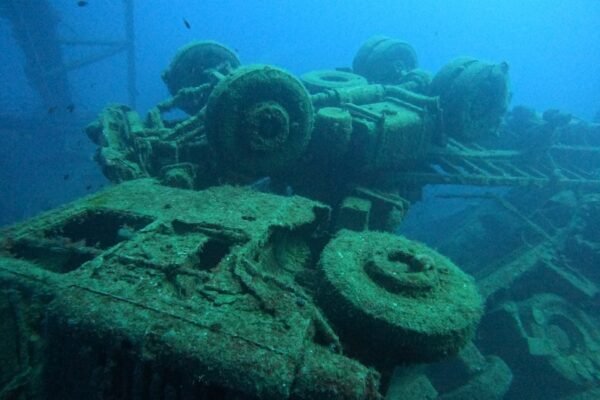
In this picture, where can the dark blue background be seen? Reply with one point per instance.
(551, 46)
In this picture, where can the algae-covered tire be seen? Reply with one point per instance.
(474, 96)
(553, 337)
(193, 63)
(259, 120)
(394, 300)
(317, 81)
(384, 60)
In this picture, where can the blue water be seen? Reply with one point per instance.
(551, 47)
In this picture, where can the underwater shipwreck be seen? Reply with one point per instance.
(248, 246)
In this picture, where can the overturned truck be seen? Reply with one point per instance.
(334, 136)
(245, 250)
(144, 291)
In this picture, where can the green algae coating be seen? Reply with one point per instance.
(384, 60)
(321, 80)
(474, 96)
(259, 120)
(200, 283)
(395, 300)
(193, 62)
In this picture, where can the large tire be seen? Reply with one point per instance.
(384, 60)
(394, 300)
(193, 63)
(318, 81)
(473, 95)
(259, 120)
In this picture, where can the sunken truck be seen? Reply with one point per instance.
(247, 248)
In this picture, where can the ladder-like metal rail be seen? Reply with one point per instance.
(473, 164)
